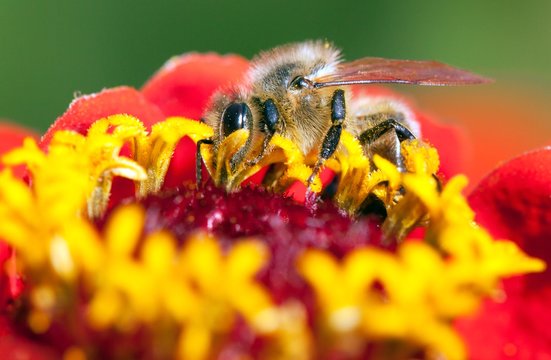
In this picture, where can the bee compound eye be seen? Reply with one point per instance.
(300, 82)
(235, 117)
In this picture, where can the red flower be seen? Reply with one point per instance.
(11, 136)
(513, 202)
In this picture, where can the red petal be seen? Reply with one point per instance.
(183, 87)
(514, 202)
(14, 346)
(11, 136)
(182, 164)
(5, 279)
(502, 331)
(450, 141)
(84, 110)
(11, 284)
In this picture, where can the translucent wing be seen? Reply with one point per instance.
(379, 70)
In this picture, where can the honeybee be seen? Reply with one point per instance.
(301, 92)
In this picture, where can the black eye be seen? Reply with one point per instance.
(300, 82)
(235, 117)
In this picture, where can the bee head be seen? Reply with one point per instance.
(228, 112)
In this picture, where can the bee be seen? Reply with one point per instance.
(301, 91)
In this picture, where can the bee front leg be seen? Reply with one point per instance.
(333, 136)
(198, 163)
(269, 122)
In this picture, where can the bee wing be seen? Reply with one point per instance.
(379, 70)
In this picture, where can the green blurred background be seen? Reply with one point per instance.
(50, 50)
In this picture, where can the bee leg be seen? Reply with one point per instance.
(259, 157)
(268, 125)
(198, 168)
(384, 139)
(370, 135)
(333, 136)
(401, 132)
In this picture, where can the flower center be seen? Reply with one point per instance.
(197, 273)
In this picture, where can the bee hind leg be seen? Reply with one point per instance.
(384, 139)
(375, 132)
(333, 136)
(379, 137)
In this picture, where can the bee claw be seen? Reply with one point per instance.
(310, 181)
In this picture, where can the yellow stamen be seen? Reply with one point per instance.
(155, 152)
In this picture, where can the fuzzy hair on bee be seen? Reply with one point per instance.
(302, 92)
(270, 77)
